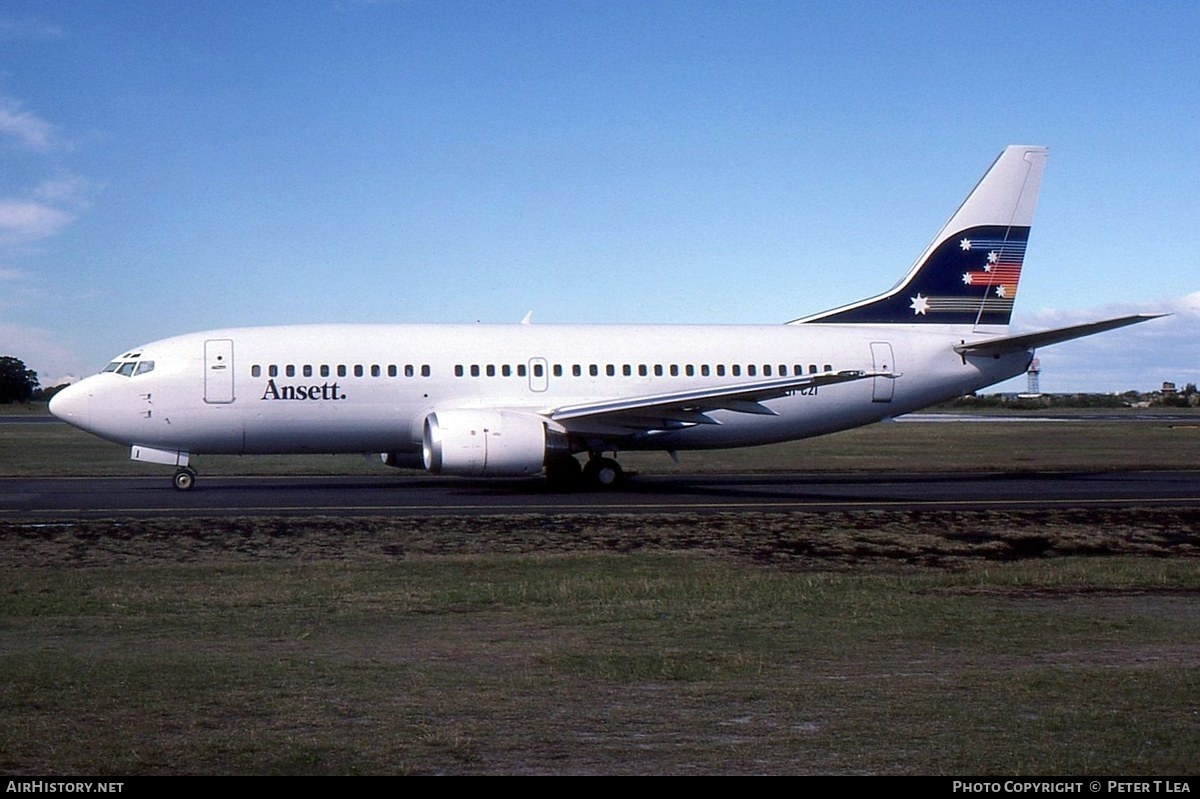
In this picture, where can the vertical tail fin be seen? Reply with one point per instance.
(968, 274)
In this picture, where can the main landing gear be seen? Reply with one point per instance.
(601, 472)
(185, 478)
(564, 472)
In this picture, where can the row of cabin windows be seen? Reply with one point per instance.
(341, 370)
(642, 370)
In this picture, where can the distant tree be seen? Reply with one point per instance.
(17, 383)
(46, 393)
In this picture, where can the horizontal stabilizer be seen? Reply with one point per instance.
(1044, 338)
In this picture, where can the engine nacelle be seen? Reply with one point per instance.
(484, 443)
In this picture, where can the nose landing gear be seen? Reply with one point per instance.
(185, 478)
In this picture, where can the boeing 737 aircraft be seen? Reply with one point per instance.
(512, 400)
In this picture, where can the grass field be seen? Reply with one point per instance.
(1065, 642)
(57, 449)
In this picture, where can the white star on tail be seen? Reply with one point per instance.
(965, 244)
(919, 305)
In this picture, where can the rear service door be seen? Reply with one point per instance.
(881, 356)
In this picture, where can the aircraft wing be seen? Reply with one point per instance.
(679, 409)
(1029, 341)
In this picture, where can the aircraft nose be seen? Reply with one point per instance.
(73, 405)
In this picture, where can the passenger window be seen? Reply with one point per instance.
(558, 370)
(538, 371)
(812, 368)
(828, 368)
(392, 370)
(458, 370)
(577, 371)
(358, 370)
(474, 370)
(737, 370)
(752, 370)
(256, 371)
(273, 371)
(506, 370)
(690, 370)
(425, 370)
(594, 370)
(766, 370)
(642, 370)
(291, 370)
(658, 370)
(521, 370)
(308, 370)
(674, 370)
(704, 370)
(610, 370)
(143, 367)
(491, 370)
(720, 370)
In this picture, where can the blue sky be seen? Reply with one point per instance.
(168, 167)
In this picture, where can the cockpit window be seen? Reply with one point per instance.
(128, 366)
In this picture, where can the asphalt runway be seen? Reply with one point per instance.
(57, 499)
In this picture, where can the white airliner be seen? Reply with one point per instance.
(510, 400)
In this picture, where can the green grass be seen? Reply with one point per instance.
(59, 450)
(431, 646)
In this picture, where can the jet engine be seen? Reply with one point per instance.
(486, 443)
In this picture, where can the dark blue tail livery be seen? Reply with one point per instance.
(970, 272)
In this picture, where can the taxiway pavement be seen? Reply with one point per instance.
(56, 499)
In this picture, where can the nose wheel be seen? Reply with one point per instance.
(185, 478)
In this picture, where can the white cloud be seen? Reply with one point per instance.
(29, 129)
(28, 28)
(69, 190)
(43, 351)
(26, 220)
(1139, 357)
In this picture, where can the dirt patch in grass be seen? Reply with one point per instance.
(927, 538)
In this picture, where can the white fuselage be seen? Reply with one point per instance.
(369, 388)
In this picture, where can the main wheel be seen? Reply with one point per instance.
(603, 473)
(185, 479)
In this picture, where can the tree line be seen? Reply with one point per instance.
(18, 383)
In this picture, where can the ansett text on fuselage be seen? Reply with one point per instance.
(325, 391)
